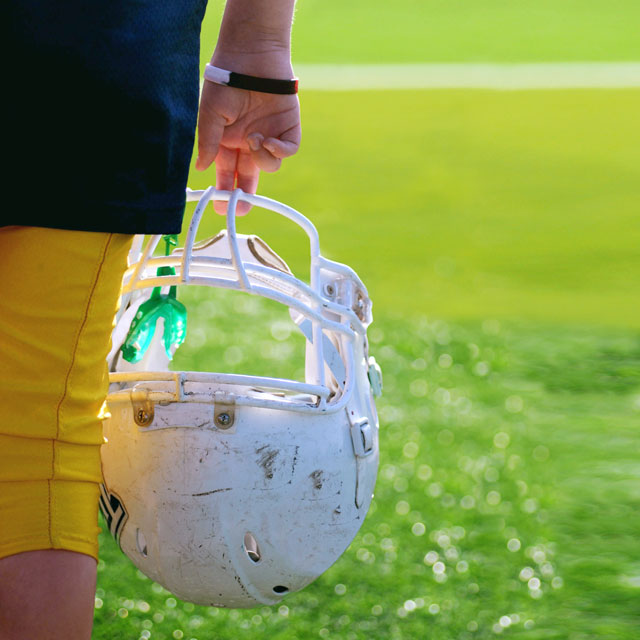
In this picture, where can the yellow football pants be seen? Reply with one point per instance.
(58, 295)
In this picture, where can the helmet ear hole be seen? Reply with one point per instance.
(280, 590)
(251, 548)
(141, 543)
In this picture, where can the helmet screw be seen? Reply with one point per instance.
(223, 419)
(143, 411)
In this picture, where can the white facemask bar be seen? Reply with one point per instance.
(307, 299)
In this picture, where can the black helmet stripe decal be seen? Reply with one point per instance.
(113, 512)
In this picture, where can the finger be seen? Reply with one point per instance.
(235, 169)
(264, 160)
(280, 148)
(283, 147)
(255, 140)
(211, 126)
(247, 178)
(279, 120)
(226, 168)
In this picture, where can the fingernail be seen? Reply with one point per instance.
(269, 146)
(255, 141)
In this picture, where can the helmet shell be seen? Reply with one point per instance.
(241, 516)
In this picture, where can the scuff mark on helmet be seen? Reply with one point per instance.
(318, 479)
(208, 493)
(241, 585)
(267, 459)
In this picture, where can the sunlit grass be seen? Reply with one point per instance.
(507, 499)
(467, 204)
(365, 31)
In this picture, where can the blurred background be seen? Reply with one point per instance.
(496, 227)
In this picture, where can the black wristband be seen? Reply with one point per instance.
(250, 83)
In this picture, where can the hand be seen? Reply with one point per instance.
(245, 132)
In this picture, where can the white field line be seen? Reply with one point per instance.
(507, 76)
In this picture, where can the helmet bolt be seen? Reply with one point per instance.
(223, 419)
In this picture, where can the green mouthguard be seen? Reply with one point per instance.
(159, 305)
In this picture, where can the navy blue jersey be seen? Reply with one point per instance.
(103, 100)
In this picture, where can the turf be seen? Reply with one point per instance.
(507, 500)
(359, 31)
(466, 204)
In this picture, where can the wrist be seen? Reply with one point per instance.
(269, 63)
(263, 84)
(255, 38)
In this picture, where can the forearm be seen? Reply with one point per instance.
(255, 38)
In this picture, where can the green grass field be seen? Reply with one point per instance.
(507, 499)
(498, 235)
(457, 30)
(464, 204)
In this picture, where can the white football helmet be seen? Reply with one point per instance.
(233, 490)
